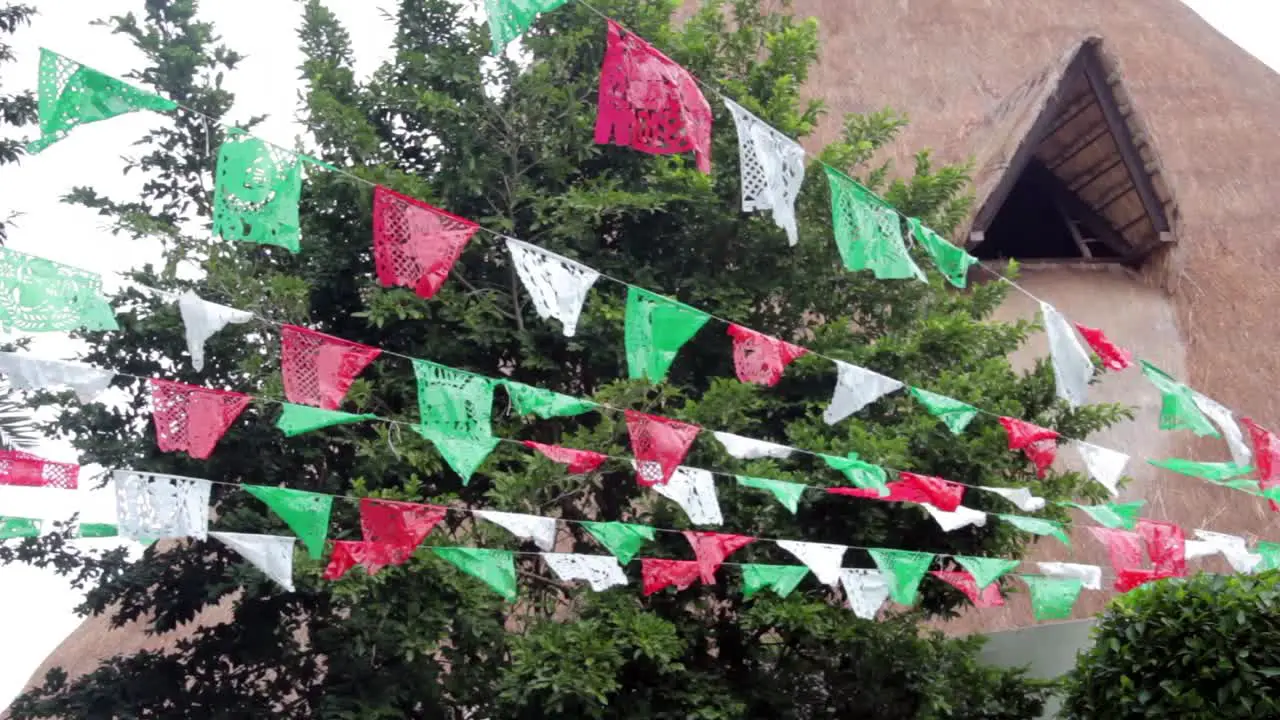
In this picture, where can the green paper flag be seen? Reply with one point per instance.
(298, 419)
(1052, 598)
(656, 329)
(256, 192)
(787, 493)
(454, 403)
(464, 455)
(955, 414)
(508, 19)
(546, 404)
(18, 527)
(306, 513)
(782, 579)
(986, 570)
(72, 95)
(904, 570)
(952, 262)
(868, 232)
(1178, 410)
(861, 474)
(40, 295)
(1214, 471)
(1249, 486)
(1037, 526)
(622, 539)
(1270, 553)
(98, 530)
(496, 568)
(1113, 515)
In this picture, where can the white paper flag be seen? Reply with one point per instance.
(601, 571)
(541, 530)
(867, 591)
(823, 559)
(1021, 497)
(150, 506)
(1104, 464)
(745, 448)
(557, 285)
(30, 373)
(1196, 549)
(772, 169)
(1232, 547)
(1226, 422)
(695, 491)
(272, 554)
(1072, 366)
(203, 319)
(1091, 575)
(961, 517)
(856, 387)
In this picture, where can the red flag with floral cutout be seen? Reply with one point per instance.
(373, 556)
(578, 461)
(400, 524)
(1166, 546)
(192, 419)
(415, 245)
(1124, 547)
(23, 468)
(1039, 444)
(759, 358)
(659, 445)
(1114, 358)
(657, 574)
(712, 548)
(964, 581)
(319, 369)
(1266, 456)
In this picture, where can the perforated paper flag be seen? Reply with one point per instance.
(306, 513)
(649, 103)
(904, 570)
(986, 570)
(867, 591)
(856, 387)
(1104, 465)
(415, 245)
(1052, 598)
(1038, 526)
(655, 329)
(100, 530)
(1021, 497)
(1270, 553)
(1166, 546)
(961, 517)
(1226, 422)
(557, 285)
(319, 369)
(657, 574)
(1232, 547)
(944, 494)
(454, 403)
(1039, 444)
(759, 358)
(822, 558)
(372, 556)
(1089, 575)
(1113, 515)
(745, 448)
(787, 493)
(528, 400)
(39, 295)
(1113, 358)
(402, 524)
(952, 262)
(600, 571)
(1178, 409)
(577, 462)
(695, 492)
(541, 530)
(711, 550)
(781, 579)
(659, 445)
(256, 191)
(1123, 546)
(1266, 448)
(464, 455)
(1072, 366)
(298, 419)
(495, 568)
(509, 19)
(1215, 471)
(151, 505)
(272, 554)
(772, 169)
(24, 469)
(31, 373)
(621, 539)
(953, 413)
(987, 597)
(202, 320)
(867, 231)
(192, 419)
(862, 474)
(18, 527)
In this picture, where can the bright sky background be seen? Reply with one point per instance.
(36, 606)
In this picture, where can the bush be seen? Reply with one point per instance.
(1203, 647)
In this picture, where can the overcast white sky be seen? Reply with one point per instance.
(35, 607)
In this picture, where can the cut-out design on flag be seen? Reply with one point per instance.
(1052, 598)
(1212, 471)
(27, 470)
(943, 494)
(951, 261)
(372, 556)
(541, 530)
(202, 320)
(318, 369)
(657, 574)
(711, 549)
(1072, 366)
(868, 232)
(1113, 357)
(1166, 546)
(759, 358)
(655, 328)
(745, 448)
(1039, 444)
(695, 492)
(150, 506)
(464, 455)
(192, 419)
(295, 420)
(1020, 497)
(272, 554)
(509, 19)
(1266, 449)
(1178, 408)
(1089, 575)
(649, 103)
(402, 524)
(306, 513)
(1123, 546)
(659, 445)
(415, 245)
(867, 590)
(621, 539)
(988, 597)
(862, 474)
(856, 388)
(39, 295)
(904, 570)
(577, 462)
(1226, 422)
(961, 517)
(31, 373)
(546, 404)
(256, 191)
(781, 579)
(18, 527)
(1113, 515)
(1232, 547)
(1038, 526)
(495, 568)
(1105, 465)
(953, 413)
(454, 403)
(986, 570)
(772, 169)
(787, 493)
(557, 285)
(822, 558)
(600, 571)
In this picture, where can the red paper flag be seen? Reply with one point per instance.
(1266, 456)
(25, 469)
(657, 574)
(659, 445)
(712, 548)
(192, 419)
(1166, 546)
(1039, 444)
(373, 556)
(650, 103)
(1113, 358)
(579, 461)
(942, 494)
(415, 245)
(898, 492)
(964, 581)
(1130, 578)
(319, 369)
(400, 524)
(1124, 547)
(759, 358)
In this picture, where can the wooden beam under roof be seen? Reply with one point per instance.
(1071, 204)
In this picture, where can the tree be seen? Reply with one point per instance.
(508, 144)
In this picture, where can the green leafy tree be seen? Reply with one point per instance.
(509, 145)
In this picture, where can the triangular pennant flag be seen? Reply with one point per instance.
(1113, 358)
(27, 470)
(649, 103)
(1038, 526)
(659, 445)
(415, 245)
(772, 167)
(192, 419)
(904, 570)
(986, 570)
(372, 556)
(1215, 471)
(1166, 546)
(39, 295)
(621, 539)
(541, 530)
(960, 517)
(657, 574)
(1021, 497)
(867, 591)
(600, 571)
(577, 462)
(711, 550)
(655, 329)
(318, 369)
(953, 413)
(952, 262)
(1130, 578)
(1270, 553)
(557, 285)
(202, 320)
(1124, 547)
(30, 373)
(306, 513)
(509, 19)
(18, 527)
(1178, 410)
(1232, 547)
(1266, 450)
(1089, 575)
(546, 404)
(987, 597)
(1072, 366)
(71, 94)
(1113, 515)
(1226, 422)
(943, 494)
(464, 455)
(899, 491)
(856, 387)
(298, 419)
(1104, 465)
(454, 403)
(1039, 444)
(495, 568)
(1196, 549)
(101, 530)
(695, 492)
(781, 579)
(868, 232)
(787, 493)
(745, 448)
(401, 524)
(272, 554)
(759, 358)
(862, 474)
(822, 558)
(257, 187)
(1052, 598)
(153, 506)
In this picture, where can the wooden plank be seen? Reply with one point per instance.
(1077, 208)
